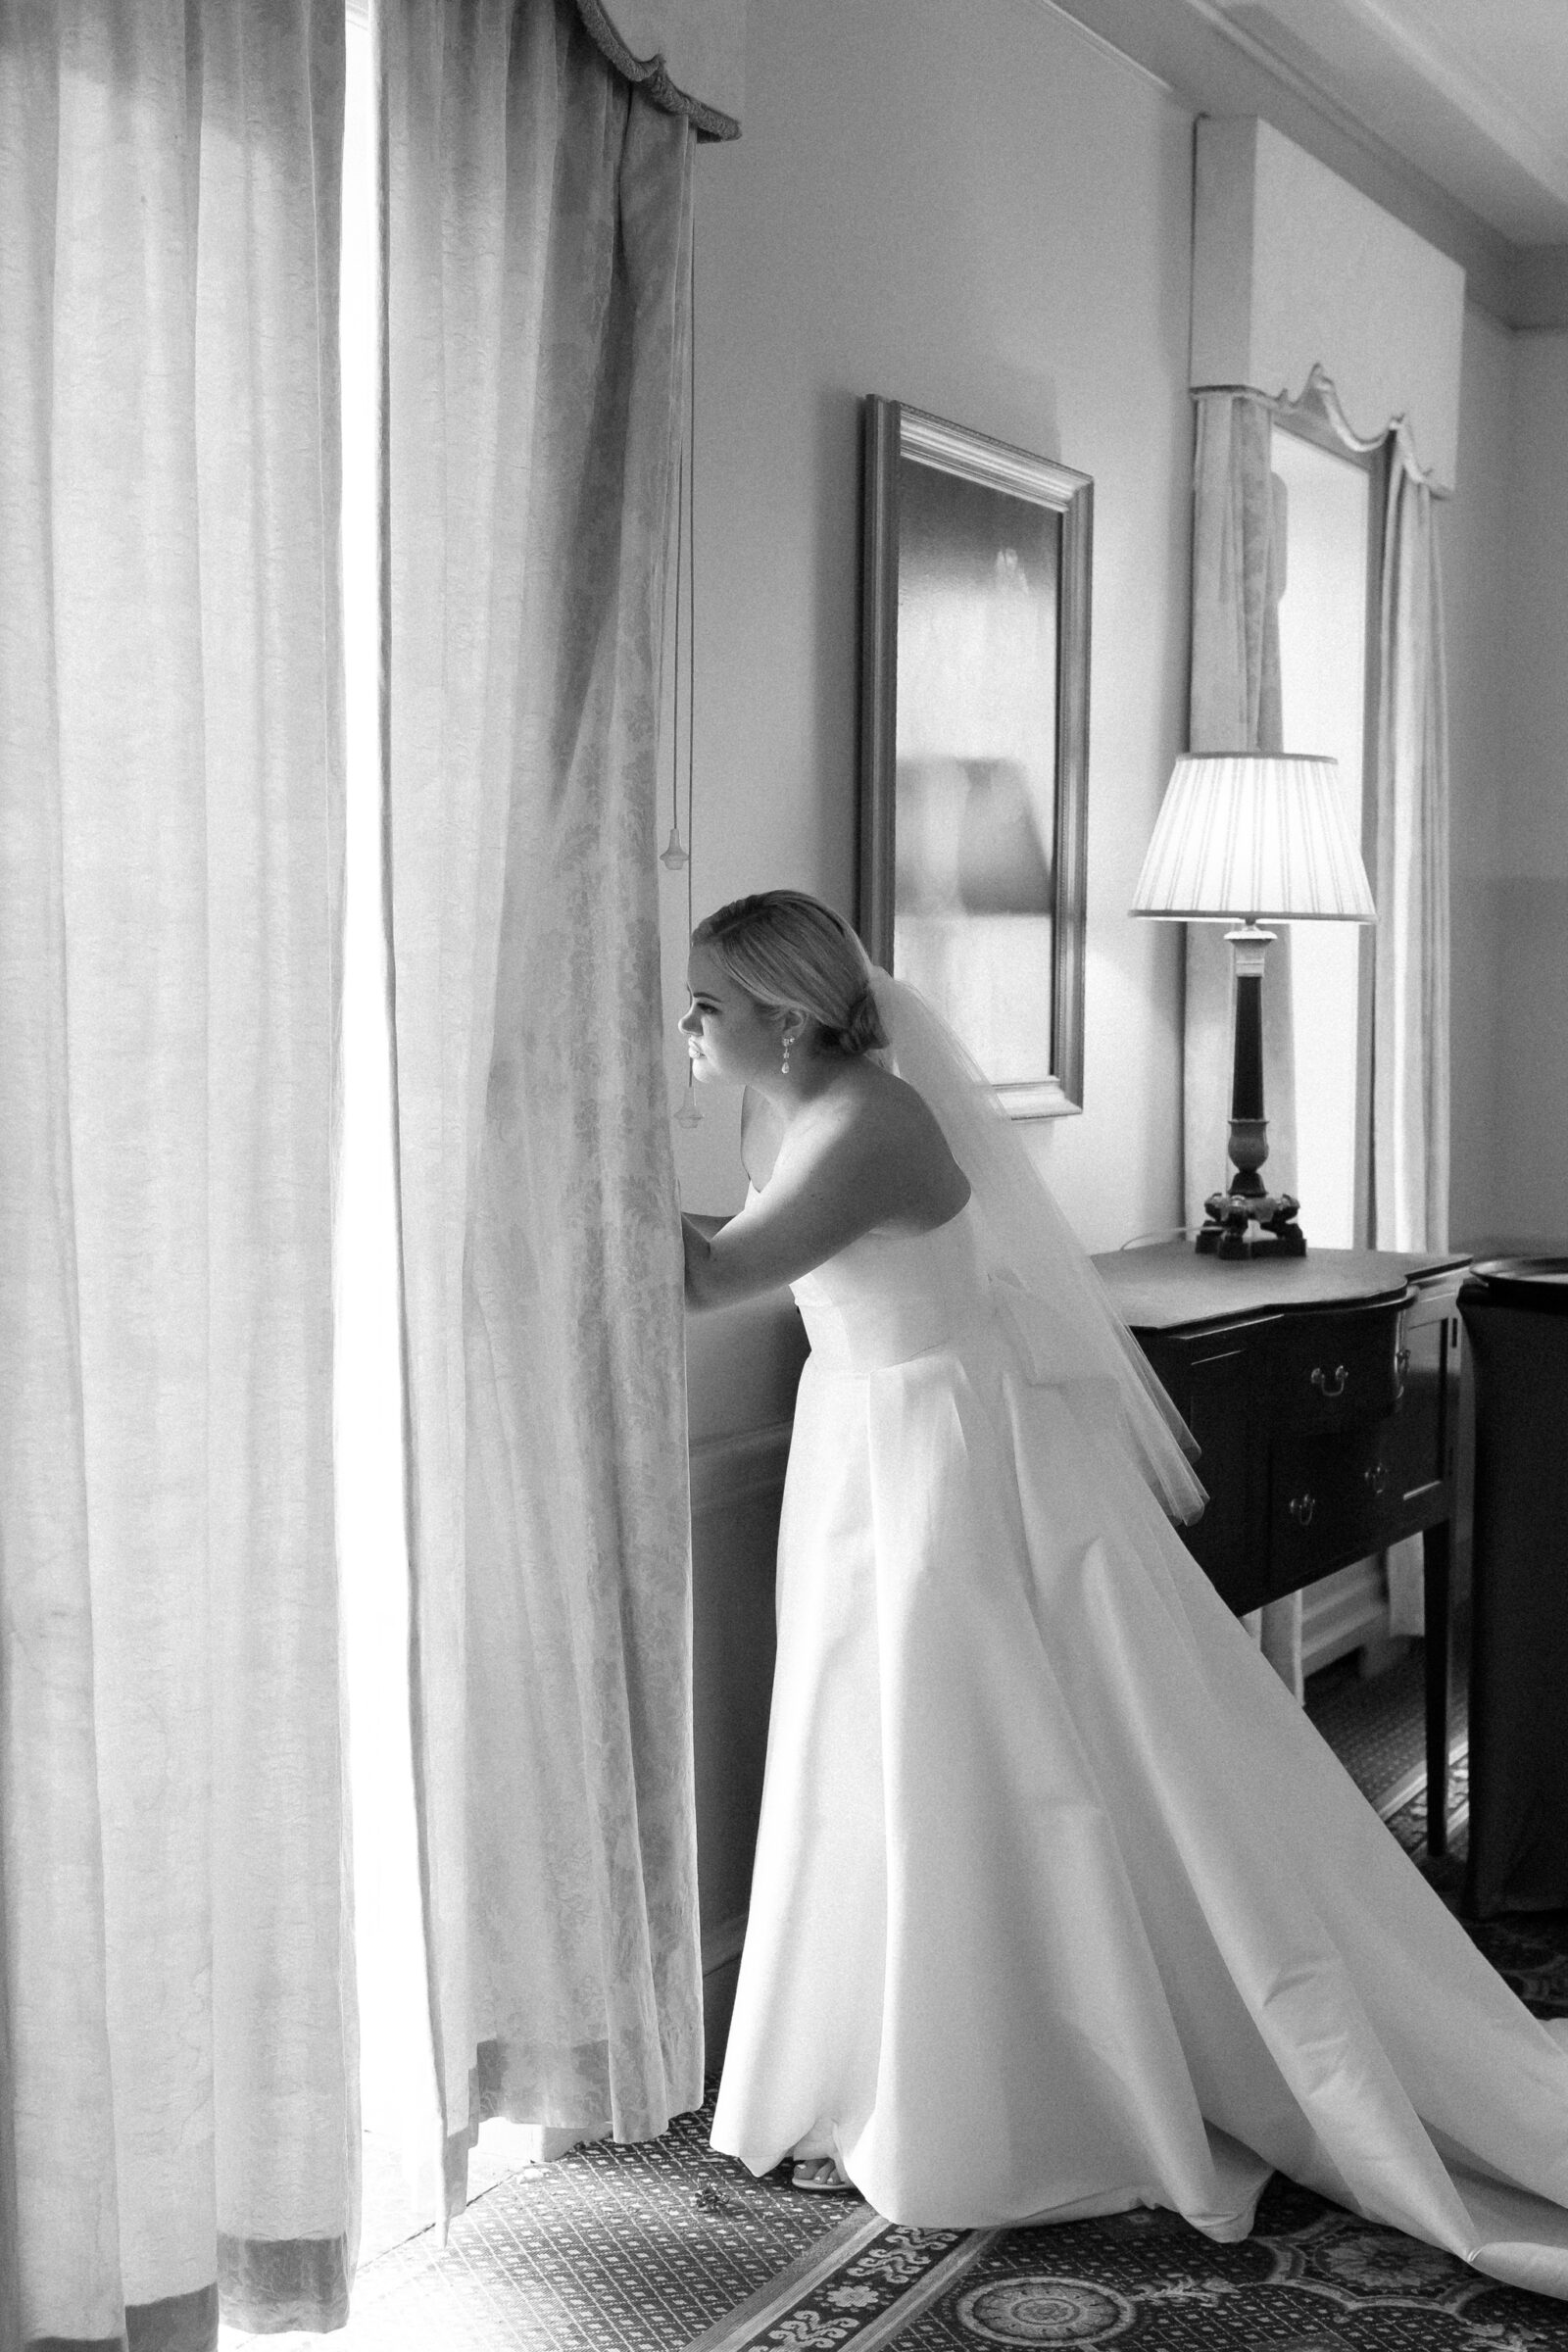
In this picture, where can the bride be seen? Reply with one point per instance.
(1061, 1905)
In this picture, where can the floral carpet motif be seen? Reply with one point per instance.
(1310, 2279)
(865, 2287)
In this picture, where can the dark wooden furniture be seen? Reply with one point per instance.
(1324, 1391)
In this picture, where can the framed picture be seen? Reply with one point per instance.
(974, 742)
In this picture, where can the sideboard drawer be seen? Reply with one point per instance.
(1423, 1434)
(1334, 1370)
(1330, 1500)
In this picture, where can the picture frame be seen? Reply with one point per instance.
(974, 742)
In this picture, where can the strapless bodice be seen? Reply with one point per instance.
(890, 1296)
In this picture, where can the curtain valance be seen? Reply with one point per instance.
(1295, 269)
(534, 407)
(686, 55)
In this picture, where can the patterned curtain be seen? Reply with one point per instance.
(1410, 1081)
(1410, 1016)
(537, 288)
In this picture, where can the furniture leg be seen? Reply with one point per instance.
(1435, 1561)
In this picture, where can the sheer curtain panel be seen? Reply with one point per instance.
(1410, 989)
(537, 273)
(180, 2129)
(1410, 1046)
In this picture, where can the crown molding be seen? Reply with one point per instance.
(1470, 92)
(1219, 67)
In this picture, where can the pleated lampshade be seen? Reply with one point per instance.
(1259, 835)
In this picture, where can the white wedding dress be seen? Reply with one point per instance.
(1060, 1904)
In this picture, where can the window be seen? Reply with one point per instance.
(1328, 626)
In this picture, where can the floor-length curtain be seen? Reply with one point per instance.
(537, 282)
(1238, 577)
(1410, 1001)
(180, 2061)
(1410, 1046)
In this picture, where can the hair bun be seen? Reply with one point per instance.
(863, 1032)
(786, 950)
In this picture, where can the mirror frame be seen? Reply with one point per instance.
(893, 433)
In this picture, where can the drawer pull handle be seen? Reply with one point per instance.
(1329, 1385)
(1376, 1475)
(1303, 1508)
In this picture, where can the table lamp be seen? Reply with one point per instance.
(1249, 838)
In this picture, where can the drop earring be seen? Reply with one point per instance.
(784, 1066)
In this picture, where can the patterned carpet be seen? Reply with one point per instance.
(672, 2248)
(1310, 2279)
(611, 2249)
(1378, 1728)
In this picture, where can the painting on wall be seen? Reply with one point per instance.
(974, 742)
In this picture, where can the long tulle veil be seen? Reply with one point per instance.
(1028, 1243)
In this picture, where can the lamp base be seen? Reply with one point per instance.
(1257, 1224)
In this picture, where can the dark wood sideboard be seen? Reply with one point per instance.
(1324, 1391)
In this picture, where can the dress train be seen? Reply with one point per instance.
(1061, 1905)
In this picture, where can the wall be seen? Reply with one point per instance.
(1506, 550)
(981, 211)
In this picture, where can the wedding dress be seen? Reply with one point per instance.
(1061, 1905)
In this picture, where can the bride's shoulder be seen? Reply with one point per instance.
(893, 1152)
(865, 1123)
(886, 1102)
(879, 1117)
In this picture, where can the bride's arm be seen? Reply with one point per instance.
(696, 1238)
(699, 1249)
(859, 1167)
(777, 1236)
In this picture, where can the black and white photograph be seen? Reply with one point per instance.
(783, 1175)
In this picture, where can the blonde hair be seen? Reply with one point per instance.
(784, 949)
